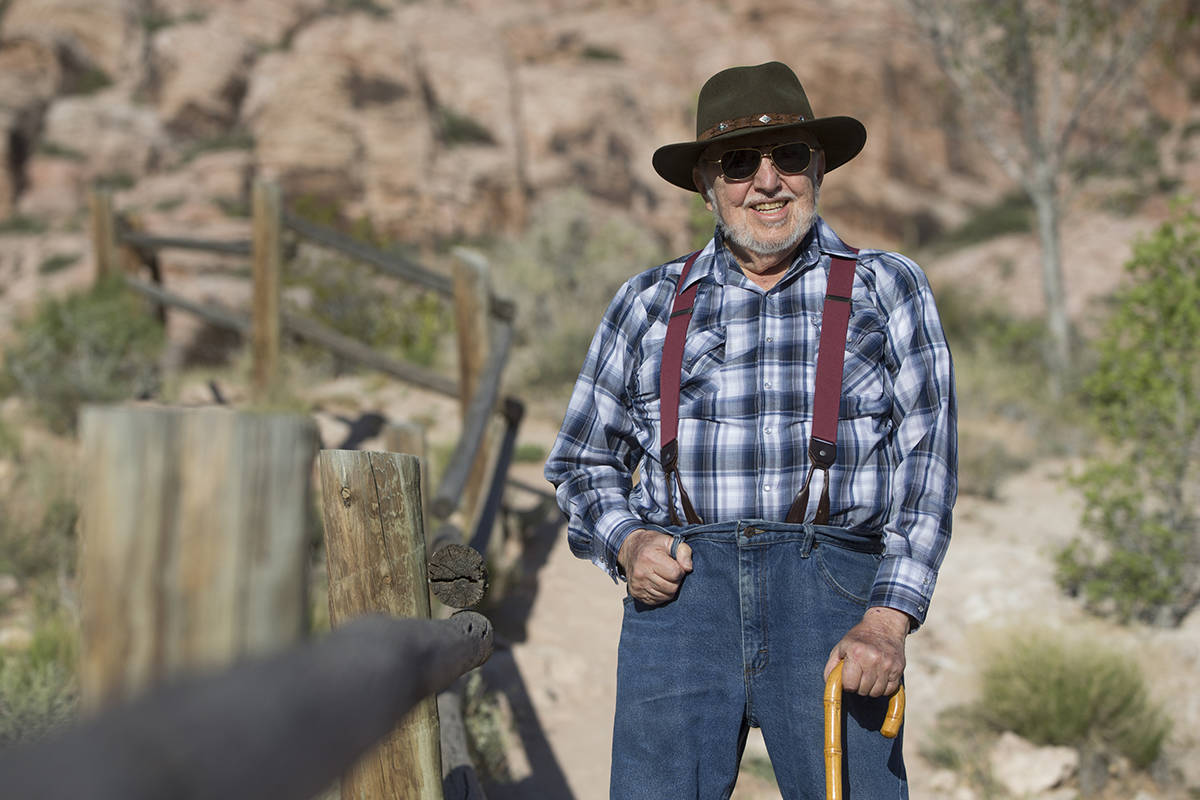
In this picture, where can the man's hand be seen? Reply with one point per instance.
(653, 576)
(874, 653)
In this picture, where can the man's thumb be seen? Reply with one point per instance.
(683, 554)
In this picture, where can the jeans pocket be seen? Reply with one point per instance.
(850, 573)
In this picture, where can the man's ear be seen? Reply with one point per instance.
(819, 175)
(701, 186)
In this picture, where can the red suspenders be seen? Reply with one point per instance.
(822, 446)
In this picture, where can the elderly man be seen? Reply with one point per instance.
(788, 404)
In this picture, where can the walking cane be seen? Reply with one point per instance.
(833, 729)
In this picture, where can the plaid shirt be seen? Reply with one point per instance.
(749, 367)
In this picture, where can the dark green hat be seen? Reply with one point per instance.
(740, 101)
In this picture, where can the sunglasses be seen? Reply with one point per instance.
(740, 164)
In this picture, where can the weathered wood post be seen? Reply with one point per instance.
(267, 256)
(104, 232)
(193, 541)
(409, 438)
(472, 299)
(375, 547)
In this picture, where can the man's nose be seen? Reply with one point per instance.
(767, 176)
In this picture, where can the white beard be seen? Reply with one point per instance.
(747, 241)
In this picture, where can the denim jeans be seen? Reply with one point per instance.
(744, 643)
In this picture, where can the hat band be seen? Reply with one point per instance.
(761, 121)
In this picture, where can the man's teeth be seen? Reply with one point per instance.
(768, 206)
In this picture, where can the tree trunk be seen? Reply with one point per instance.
(1045, 201)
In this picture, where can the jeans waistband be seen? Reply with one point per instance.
(767, 531)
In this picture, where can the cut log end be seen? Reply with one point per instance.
(457, 576)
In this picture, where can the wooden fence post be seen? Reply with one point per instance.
(375, 547)
(104, 232)
(409, 438)
(268, 256)
(472, 298)
(193, 541)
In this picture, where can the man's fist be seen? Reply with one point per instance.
(653, 575)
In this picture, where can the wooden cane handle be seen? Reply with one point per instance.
(833, 729)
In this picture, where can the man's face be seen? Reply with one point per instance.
(768, 213)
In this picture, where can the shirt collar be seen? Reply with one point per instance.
(715, 261)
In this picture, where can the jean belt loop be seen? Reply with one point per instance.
(675, 540)
(810, 536)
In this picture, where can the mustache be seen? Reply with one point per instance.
(785, 196)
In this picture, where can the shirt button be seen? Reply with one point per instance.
(767, 385)
(766, 488)
(767, 431)
(770, 338)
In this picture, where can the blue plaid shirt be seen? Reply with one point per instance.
(746, 396)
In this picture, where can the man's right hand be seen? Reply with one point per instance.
(653, 575)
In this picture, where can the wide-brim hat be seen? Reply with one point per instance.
(741, 101)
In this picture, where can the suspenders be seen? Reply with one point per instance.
(822, 446)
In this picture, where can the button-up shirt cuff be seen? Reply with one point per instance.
(904, 584)
(617, 535)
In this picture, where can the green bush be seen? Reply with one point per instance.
(1011, 214)
(38, 690)
(563, 271)
(98, 346)
(40, 546)
(354, 299)
(1054, 690)
(1143, 505)
(455, 129)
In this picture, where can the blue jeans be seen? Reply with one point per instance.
(744, 643)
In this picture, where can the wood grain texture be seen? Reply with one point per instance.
(267, 250)
(375, 548)
(192, 541)
(472, 322)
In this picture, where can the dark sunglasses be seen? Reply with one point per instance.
(790, 159)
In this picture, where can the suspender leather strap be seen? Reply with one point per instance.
(831, 355)
(668, 391)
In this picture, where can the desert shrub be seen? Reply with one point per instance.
(38, 690)
(563, 271)
(1055, 690)
(98, 346)
(18, 224)
(1011, 214)
(57, 263)
(42, 546)
(456, 129)
(1142, 504)
(529, 453)
(353, 298)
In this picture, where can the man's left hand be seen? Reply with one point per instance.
(874, 653)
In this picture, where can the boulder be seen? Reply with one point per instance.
(117, 138)
(103, 35)
(55, 186)
(1026, 769)
(29, 73)
(200, 73)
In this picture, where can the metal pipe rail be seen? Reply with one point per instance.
(279, 728)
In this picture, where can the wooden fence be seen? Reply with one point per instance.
(193, 552)
(484, 322)
(279, 727)
(375, 532)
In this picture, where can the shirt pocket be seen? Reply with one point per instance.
(703, 357)
(864, 373)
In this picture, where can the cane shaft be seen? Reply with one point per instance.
(833, 729)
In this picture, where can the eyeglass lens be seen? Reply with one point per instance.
(791, 159)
